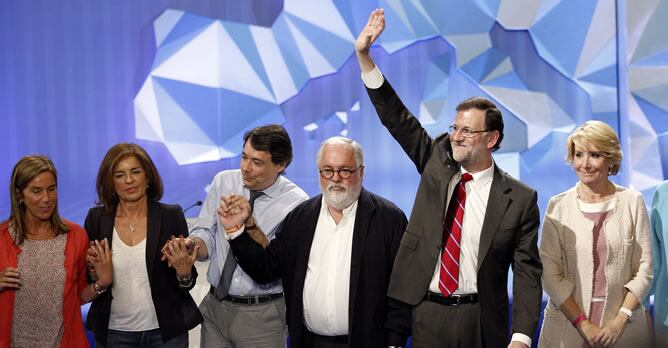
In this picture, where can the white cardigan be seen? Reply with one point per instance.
(567, 252)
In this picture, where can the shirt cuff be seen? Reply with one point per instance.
(373, 79)
(230, 236)
(205, 236)
(522, 338)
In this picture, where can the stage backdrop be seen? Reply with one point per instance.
(185, 79)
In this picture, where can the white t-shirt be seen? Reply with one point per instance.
(132, 308)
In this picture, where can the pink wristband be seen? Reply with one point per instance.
(578, 319)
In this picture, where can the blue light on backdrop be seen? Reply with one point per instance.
(186, 79)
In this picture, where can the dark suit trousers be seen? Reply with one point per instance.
(439, 326)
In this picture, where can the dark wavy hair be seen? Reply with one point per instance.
(106, 192)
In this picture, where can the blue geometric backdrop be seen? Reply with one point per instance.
(186, 79)
(550, 65)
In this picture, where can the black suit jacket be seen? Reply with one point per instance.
(508, 236)
(177, 312)
(379, 224)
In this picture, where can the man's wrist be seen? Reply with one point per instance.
(185, 280)
(232, 229)
(373, 79)
(235, 234)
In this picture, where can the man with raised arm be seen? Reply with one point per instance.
(470, 223)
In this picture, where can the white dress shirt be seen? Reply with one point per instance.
(327, 283)
(478, 193)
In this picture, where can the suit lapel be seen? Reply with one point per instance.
(450, 169)
(107, 221)
(153, 228)
(496, 207)
(365, 210)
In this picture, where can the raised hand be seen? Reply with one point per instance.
(10, 278)
(178, 256)
(102, 265)
(371, 31)
(91, 256)
(233, 212)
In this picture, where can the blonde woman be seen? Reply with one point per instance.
(596, 251)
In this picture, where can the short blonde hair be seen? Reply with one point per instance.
(601, 137)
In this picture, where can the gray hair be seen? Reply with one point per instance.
(355, 146)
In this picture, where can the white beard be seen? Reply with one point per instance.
(340, 199)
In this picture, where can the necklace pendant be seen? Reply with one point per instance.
(132, 227)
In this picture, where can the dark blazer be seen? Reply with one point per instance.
(379, 224)
(508, 237)
(176, 310)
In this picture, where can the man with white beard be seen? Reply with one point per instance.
(334, 253)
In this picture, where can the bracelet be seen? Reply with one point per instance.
(628, 313)
(185, 281)
(97, 289)
(233, 229)
(578, 319)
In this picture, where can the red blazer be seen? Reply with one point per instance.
(75, 282)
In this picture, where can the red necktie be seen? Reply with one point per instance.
(452, 234)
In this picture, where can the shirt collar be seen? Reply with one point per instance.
(481, 178)
(351, 208)
(274, 190)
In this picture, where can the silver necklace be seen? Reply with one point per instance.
(132, 227)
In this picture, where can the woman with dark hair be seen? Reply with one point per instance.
(42, 264)
(148, 302)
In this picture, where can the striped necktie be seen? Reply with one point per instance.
(452, 235)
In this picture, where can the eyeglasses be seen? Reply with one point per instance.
(465, 132)
(344, 173)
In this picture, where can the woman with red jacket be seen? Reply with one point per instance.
(42, 264)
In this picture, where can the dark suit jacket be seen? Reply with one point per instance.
(177, 312)
(379, 224)
(508, 237)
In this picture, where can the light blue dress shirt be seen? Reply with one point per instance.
(659, 221)
(269, 210)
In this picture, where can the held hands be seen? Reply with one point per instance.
(374, 27)
(588, 331)
(610, 333)
(233, 212)
(180, 254)
(10, 278)
(98, 261)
